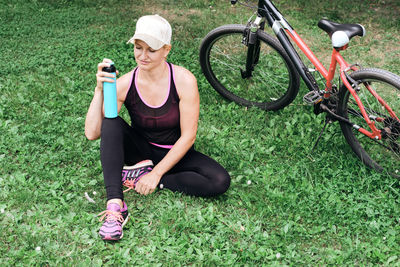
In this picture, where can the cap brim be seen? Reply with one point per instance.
(149, 40)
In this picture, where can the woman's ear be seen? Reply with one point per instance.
(167, 49)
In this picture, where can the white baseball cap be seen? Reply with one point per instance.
(154, 30)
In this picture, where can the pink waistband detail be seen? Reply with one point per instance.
(162, 146)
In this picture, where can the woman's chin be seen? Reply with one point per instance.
(149, 65)
(143, 65)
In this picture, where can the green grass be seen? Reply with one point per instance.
(324, 208)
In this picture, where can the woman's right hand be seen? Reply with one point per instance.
(102, 76)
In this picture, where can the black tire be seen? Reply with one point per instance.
(382, 155)
(275, 81)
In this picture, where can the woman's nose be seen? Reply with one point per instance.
(143, 55)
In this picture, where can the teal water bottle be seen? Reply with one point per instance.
(110, 94)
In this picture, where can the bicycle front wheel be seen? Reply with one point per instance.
(384, 154)
(274, 83)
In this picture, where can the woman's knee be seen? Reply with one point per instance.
(222, 181)
(112, 127)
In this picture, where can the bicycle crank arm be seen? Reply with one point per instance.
(337, 117)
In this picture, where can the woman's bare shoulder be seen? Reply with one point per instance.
(123, 84)
(183, 77)
(126, 78)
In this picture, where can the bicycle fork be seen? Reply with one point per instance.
(253, 44)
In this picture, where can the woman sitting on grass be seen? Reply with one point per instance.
(163, 103)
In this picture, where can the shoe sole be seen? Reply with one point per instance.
(141, 164)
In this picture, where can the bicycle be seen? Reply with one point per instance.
(250, 67)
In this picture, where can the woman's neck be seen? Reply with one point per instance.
(155, 73)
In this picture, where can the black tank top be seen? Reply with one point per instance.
(158, 124)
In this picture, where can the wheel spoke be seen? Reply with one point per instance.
(274, 81)
(383, 154)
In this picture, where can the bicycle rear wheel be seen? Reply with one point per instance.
(274, 83)
(384, 154)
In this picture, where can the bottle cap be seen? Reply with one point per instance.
(110, 69)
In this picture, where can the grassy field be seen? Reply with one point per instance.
(285, 205)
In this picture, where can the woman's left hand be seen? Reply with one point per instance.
(147, 184)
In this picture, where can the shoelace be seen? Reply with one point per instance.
(111, 216)
(130, 183)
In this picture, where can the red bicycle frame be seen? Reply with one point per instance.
(329, 76)
(282, 28)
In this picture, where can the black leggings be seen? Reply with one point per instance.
(195, 174)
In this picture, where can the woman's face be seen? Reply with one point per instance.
(148, 58)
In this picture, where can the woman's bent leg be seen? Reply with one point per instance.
(119, 145)
(197, 175)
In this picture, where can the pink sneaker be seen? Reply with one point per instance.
(115, 220)
(132, 174)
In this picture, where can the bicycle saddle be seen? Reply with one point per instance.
(341, 33)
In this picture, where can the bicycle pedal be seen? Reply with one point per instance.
(312, 97)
